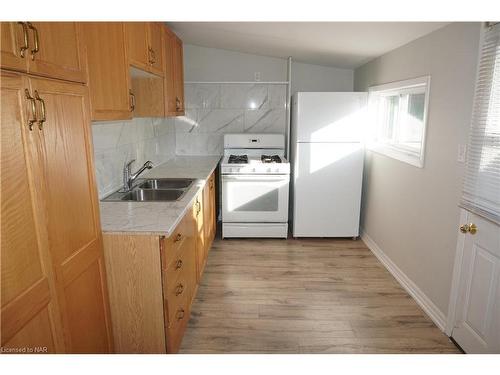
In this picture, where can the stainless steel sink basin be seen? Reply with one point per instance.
(153, 190)
(148, 195)
(165, 183)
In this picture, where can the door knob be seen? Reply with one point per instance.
(468, 228)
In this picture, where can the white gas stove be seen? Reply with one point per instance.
(255, 178)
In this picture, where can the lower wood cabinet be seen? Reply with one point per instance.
(152, 281)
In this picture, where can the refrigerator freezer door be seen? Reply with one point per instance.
(327, 189)
(329, 116)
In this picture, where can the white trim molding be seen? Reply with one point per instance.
(413, 290)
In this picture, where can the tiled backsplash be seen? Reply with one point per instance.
(215, 109)
(117, 142)
(211, 111)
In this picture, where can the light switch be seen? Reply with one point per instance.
(462, 151)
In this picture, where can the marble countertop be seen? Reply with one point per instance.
(159, 218)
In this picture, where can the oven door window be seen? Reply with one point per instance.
(255, 198)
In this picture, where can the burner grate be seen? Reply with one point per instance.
(270, 159)
(238, 159)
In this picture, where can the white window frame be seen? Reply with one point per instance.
(375, 143)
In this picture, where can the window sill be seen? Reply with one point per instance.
(398, 154)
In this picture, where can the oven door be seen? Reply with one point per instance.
(255, 198)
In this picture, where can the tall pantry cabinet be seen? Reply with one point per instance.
(53, 282)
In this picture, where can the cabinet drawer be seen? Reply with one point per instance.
(180, 239)
(178, 309)
(175, 331)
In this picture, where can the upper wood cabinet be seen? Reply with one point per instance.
(53, 275)
(155, 31)
(108, 70)
(174, 75)
(145, 50)
(14, 45)
(49, 49)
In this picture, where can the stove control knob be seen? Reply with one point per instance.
(253, 170)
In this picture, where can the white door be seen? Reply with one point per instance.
(477, 311)
(327, 189)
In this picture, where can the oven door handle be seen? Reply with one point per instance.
(260, 177)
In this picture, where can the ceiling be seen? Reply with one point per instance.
(339, 44)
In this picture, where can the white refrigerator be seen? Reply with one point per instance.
(327, 152)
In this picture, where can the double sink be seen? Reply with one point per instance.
(153, 190)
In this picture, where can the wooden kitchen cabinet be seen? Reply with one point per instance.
(65, 264)
(29, 310)
(174, 74)
(14, 45)
(48, 49)
(152, 281)
(155, 31)
(145, 50)
(108, 71)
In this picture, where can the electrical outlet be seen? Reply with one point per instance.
(257, 76)
(462, 151)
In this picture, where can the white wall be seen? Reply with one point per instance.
(308, 77)
(211, 64)
(412, 213)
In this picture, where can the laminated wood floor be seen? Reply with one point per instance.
(305, 296)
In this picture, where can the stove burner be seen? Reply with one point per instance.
(270, 159)
(238, 159)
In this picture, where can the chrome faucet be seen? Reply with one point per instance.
(129, 177)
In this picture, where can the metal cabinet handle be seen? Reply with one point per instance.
(33, 109)
(177, 103)
(153, 57)
(178, 237)
(25, 39)
(198, 207)
(132, 100)
(42, 102)
(179, 289)
(179, 314)
(36, 40)
(178, 264)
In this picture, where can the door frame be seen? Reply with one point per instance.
(457, 271)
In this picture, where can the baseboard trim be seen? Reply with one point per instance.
(422, 300)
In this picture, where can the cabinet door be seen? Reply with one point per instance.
(108, 70)
(213, 210)
(60, 53)
(29, 311)
(137, 42)
(199, 235)
(14, 45)
(179, 75)
(169, 43)
(208, 214)
(156, 48)
(72, 216)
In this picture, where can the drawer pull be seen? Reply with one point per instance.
(179, 315)
(178, 237)
(179, 289)
(178, 264)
